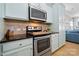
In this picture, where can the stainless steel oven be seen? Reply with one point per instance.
(42, 46)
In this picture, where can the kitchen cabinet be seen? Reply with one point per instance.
(2, 7)
(43, 6)
(49, 14)
(61, 38)
(48, 8)
(17, 10)
(61, 25)
(36, 5)
(24, 51)
(58, 16)
(58, 22)
(1, 20)
(54, 42)
(0, 49)
(22, 47)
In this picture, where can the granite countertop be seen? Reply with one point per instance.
(14, 38)
(23, 36)
(35, 34)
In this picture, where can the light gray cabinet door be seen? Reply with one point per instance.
(1, 20)
(36, 5)
(61, 25)
(16, 44)
(43, 6)
(55, 18)
(62, 34)
(22, 47)
(61, 10)
(24, 51)
(58, 22)
(49, 14)
(61, 38)
(2, 7)
(54, 42)
(17, 10)
(58, 16)
(0, 10)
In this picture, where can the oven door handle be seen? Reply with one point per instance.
(41, 38)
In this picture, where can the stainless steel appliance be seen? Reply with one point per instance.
(42, 46)
(34, 28)
(37, 14)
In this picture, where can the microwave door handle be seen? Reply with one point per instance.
(46, 16)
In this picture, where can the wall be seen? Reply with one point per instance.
(20, 27)
(72, 23)
(76, 23)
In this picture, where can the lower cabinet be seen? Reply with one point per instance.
(61, 38)
(0, 49)
(24, 51)
(22, 47)
(57, 41)
(54, 42)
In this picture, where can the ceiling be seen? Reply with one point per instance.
(72, 9)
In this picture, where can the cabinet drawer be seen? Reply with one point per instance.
(24, 51)
(16, 44)
(17, 10)
(55, 35)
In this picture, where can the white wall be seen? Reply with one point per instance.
(76, 23)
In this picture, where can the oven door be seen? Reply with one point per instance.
(41, 45)
(37, 14)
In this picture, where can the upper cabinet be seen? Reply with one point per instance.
(36, 5)
(49, 14)
(43, 6)
(58, 17)
(58, 22)
(2, 7)
(61, 10)
(48, 8)
(1, 21)
(17, 10)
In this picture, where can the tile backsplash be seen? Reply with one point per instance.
(17, 27)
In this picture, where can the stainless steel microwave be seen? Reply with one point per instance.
(37, 14)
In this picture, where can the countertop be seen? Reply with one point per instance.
(36, 34)
(15, 37)
(23, 36)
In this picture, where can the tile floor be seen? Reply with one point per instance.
(69, 49)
